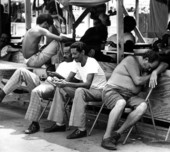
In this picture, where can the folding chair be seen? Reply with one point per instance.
(48, 102)
(152, 117)
(101, 105)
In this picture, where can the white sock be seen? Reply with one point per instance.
(82, 129)
(59, 124)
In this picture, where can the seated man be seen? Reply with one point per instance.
(129, 39)
(32, 80)
(6, 50)
(32, 38)
(94, 80)
(122, 89)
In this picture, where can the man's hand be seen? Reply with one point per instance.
(153, 80)
(60, 83)
(66, 39)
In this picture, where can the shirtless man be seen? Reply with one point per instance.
(30, 46)
(121, 90)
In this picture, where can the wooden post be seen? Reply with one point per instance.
(137, 12)
(0, 20)
(120, 31)
(9, 13)
(28, 14)
(168, 4)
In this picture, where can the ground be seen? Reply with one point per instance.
(13, 139)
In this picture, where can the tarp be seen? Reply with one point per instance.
(87, 3)
(157, 19)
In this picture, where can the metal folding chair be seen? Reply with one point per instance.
(48, 102)
(152, 117)
(99, 104)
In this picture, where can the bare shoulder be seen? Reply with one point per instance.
(130, 61)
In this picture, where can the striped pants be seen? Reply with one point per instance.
(43, 91)
(21, 77)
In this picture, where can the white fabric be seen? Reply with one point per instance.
(91, 67)
(4, 50)
(64, 68)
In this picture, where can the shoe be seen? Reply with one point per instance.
(2, 95)
(77, 134)
(55, 128)
(33, 128)
(110, 142)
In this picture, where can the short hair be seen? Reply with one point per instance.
(44, 18)
(151, 55)
(80, 46)
(129, 23)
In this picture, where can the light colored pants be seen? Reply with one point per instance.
(81, 96)
(39, 59)
(21, 76)
(43, 91)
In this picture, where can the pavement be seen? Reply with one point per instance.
(13, 139)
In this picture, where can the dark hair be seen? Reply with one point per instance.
(44, 18)
(8, 37)
(80, 46)
(151, 55)
(129, 23)
(1, 8)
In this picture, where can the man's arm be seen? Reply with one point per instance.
(61, 38)
(153, 79)
(68, 83)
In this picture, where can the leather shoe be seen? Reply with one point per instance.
(110, 142)
(33, 128)
(2, 95)
(55, 128)
(77, 134)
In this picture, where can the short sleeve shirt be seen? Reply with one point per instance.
(91, 67)
(65, 68)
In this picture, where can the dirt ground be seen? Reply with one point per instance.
(13, 139)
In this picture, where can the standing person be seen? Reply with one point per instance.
(4, 21)
(32, 38)
(94, 80)
(96, 36)
(122, 89)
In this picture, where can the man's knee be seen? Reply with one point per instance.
(80, 92)
(121, 103)
(142, 108)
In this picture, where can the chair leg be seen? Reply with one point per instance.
(65, 110)
(167, 135)
(152, 117)
(127, 136)
(94, 123)
(44, 110)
